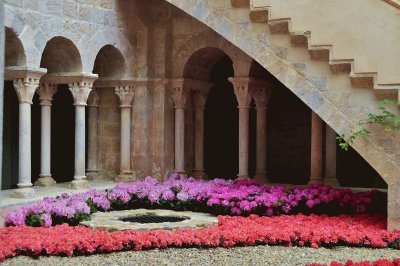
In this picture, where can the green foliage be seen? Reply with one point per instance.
(386, 120)
(34, 220)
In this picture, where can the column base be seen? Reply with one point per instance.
(200, 174)
(23, 193)
(262, 178)
(393, 224)
(331, 181)
(79, 184)
(243, 176)
(45, 181)
(125, 178)
(92, 174)
(314, 181)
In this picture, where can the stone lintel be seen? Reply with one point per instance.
(69, 78)
(13, 73)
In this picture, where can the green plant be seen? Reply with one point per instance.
(386, 120)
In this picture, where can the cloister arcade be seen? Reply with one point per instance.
(74, 125)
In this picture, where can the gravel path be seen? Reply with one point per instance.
(260, 255)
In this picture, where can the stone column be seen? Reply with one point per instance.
(243, 96)
(25, 88)
(93, 104)
(261, 95)
(330, 157)
(179, 97)
(46, 92)
(125, 94)
(80, 92)
(200, 98)
(393, 218)
(2, 47)
(316, 149)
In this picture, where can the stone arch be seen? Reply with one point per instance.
(14, 50)
(61, 55)
(90, 48)
(385, 161)
(201, 62)
(241, 61)
(109, 63)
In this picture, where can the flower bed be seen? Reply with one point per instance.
(313, 230)
(381, 262)
(221, 197)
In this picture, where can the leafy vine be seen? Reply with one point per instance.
(386, 120)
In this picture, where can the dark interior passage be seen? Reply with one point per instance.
(221, 124)
(63, 132)
(36, 137)
(10, 137)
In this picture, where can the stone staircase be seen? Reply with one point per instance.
(340, 80)
(280, 22)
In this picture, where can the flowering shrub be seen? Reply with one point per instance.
(358, 230)
(381, 262)
(218, 196)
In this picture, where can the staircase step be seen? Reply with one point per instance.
(240, 3)
(259, 15)
(279, 26)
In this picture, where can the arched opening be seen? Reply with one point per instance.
(109, 63)
(10, 137)
(62, 132)
(14, 56)
(61, 56)
(14, 51)
(221, 128)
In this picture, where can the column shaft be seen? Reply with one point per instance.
(243, 141)
(79, 142)
(316, 148)
(330, 158)
(199, 143)
(261, 142)
(45, 141)
(125, 140)
(24, 178)
(179, 139)
(92, 139)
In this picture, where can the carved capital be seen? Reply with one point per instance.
(25, 88)
(94, 98)
(46, 92)
(125, 95)
(200, 98)
(179, 96)
(261, 92)
(242, 91)
(80, 92)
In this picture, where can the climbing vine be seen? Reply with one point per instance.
(386, 120)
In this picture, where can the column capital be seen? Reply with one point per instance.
(200, 98)
(46, 92)
(261, 96)
(25, 88)
(94, 98)
(80, 92)
(125, 95)
(241, 88)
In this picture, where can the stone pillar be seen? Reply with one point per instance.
(46, 92)
(330, 157)
(80, 92)
(179, 97)
(2, 47)
(25, 88)
(125, 94)
(393, 218)
(243, 96)
(93, 104)
(261, 95)
(200, 98)
(316, 149)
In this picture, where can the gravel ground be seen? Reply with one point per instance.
(260, 255)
